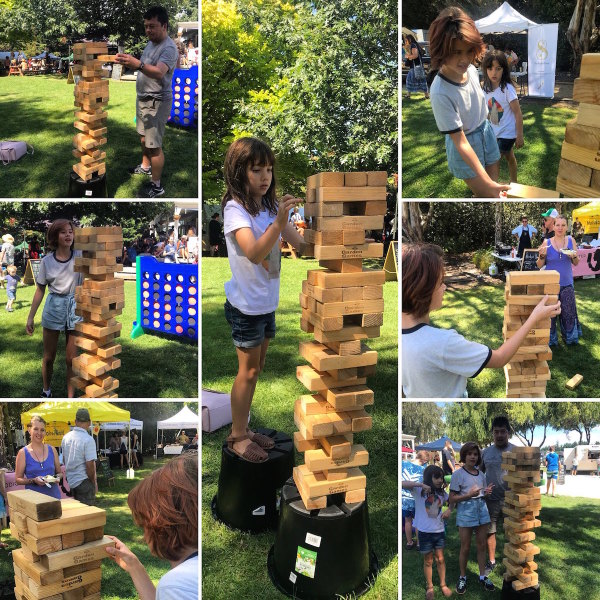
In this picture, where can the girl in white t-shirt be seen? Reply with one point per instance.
(430, 497)
(253, 222)
(504, 111)
(57, 271)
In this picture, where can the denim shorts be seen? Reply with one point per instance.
(428, 542)
(506, 144)
(11, 294)
(249, 331)
(59, 312)
(483, 141)
(472, 513)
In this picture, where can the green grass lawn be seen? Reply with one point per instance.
(151, 366)
(425, 171)
(478, 314)
(234, 563)
(116, 583)
(567, 540)
(39, 110)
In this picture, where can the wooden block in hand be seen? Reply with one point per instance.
(85, 553)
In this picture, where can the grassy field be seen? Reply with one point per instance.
(567, 540)
(151, 366)
(39, 110)
(234, 563)
(116, 583)
(478, 313)
(424, 166)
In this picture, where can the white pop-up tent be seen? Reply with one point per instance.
(541, 46)
(185, 418)
(122, 426)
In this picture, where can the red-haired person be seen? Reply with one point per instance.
(436, 362)
(459, 104)
(165, 505)
(57, 271)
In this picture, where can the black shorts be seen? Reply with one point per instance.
(505, 144)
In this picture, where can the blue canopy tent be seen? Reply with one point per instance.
(439, 444)
(50, 55)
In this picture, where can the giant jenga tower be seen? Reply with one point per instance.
(527, 373)
(99, 300)
(579, 168)
(62, 547)
(342, 305)
(522, 504)
(91, 96)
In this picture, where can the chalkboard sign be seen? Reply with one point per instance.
(117, 69)
(528, 263)
(105, 469)
(31, 271)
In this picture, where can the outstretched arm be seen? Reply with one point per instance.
(129, 562)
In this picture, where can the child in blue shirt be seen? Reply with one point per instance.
(551, 471)
(12, 280)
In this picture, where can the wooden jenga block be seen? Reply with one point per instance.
(355, 496)
(518, 190)
(317, 485)
(337, 447)
(302, 445)
(315, 381)
(346, 333)
(85, 553)
(376, 178)
(329, 279)
(586, 90)
(318, 460)
(574, 382)
(75, 518)
(35, 506)
(349, 222)
(350, 194)
(37, 571)
(342, 265)
(310, 503)
(355, 179)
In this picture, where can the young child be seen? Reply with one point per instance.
(468, 488)
(12, 280)
(458, 103)
(253, 222)
(504, 111)
(58, 273)
(436, 363)
(430, 497)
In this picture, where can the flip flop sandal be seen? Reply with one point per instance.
(253, 453)
(429, 594)
(263, 441)
(446, 591)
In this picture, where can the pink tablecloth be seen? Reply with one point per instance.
(12, 485)
(589, 262)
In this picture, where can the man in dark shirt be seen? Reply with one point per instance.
(214, 234)
(448, 460)
(549, 218)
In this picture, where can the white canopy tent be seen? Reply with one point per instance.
(542, 43)
(121, 426)
(184, 418)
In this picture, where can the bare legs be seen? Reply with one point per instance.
(251, 362)
(50, 341)
(491, 546)
(152, 158)
(512, 165)
(465, 545)
(478, 186)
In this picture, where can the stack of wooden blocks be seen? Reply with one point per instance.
(522, 504)
(579, 169)
(91, 96)
(527, 373)
(62, 546)
(342, 305)
(99, 300)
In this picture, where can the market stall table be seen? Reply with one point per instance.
(510, 260)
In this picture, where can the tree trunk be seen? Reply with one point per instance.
(573, 37)
(3, 409)
(414, 224)
(587, 26)
(498, 231)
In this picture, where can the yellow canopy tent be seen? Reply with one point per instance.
(589, 216)
(64, 412)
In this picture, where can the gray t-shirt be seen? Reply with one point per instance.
(491, 466)
(9, 253)
(458, 106)
(165, 52)
(78, 447)
(58, 275)
(437, 362)
(462, 481)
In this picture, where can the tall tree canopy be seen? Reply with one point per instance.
(423, 419)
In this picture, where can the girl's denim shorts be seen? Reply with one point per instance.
(472, 513)
(483, 141)
(249, 331)
(59, 313)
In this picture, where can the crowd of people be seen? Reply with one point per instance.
(45, 63)
(163, 247)
(476, 491)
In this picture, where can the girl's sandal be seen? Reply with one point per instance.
(429, 594)
(253, 453)
(446, 590)
(263, 441)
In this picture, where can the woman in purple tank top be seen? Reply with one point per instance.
(559, 253)
(37, 460)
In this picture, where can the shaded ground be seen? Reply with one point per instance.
(462, 274)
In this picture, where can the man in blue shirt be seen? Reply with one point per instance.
(551, 470)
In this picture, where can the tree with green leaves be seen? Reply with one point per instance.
(422, 419)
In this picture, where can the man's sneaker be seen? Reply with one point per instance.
(156, 190)
(487, 585)
(489, 567)
(461, 586)
(139, 170)
(44, 395)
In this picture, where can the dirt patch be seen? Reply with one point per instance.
(462, 274)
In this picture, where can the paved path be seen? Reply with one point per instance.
(583, 486)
